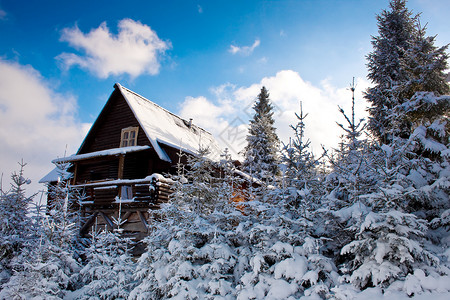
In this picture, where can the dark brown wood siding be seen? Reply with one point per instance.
(174, 155)
(95, 171)
(138, 164)
(106, 131)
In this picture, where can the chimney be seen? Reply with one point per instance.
(190, 123)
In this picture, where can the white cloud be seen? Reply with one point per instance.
(263, 60)
(135, 50)
(199, 9)
(244, 50)
(203, 112)
(228, 114)
(2, 14)
(36, 123)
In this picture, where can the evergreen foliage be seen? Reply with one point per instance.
(15, 224)
(109, 272)
(46, 269)
(351, 173)
(386, 65)
(301, 179)
(198, 188)
(404, 61)
(261, 152)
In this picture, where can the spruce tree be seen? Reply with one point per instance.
(409, 116)
(48, 269)
(301, 177)
(404, 61)
(351, 173)
(196, 189)
(386, 65)
(15, 224)
(110, 269)
(261, 152)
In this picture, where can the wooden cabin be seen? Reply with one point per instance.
(119, 164)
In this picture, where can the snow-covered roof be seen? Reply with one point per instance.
(109, 152)
(55, 175)
(164, 127)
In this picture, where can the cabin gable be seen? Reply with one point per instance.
(106, 130)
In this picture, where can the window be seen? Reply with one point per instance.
(126, 192)
(129, 137)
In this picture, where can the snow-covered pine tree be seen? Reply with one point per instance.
(393, 241)
(47, 270)
(301, 178)
(387, 69)
(45, 273)
(351, 174)
(421, 115)
(389, 237)
(188, 252)
(404, 61)
(15, 224)
(198, 188)
(63, 214)
(261, 152)
(109, 272)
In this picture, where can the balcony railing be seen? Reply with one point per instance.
(146, 192)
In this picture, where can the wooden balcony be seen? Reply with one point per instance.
(132, 198)
(147, 192)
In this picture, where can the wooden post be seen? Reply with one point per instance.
(88, 223)
(74, 179)
(143, 220)
(121, 166)
(108, 221)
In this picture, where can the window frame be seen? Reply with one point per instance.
(126, 137)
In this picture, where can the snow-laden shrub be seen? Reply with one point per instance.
(16, 228)
(189, 257)
(46, 272)
(109, 272)
(387, 247)
(232, 255)
(284, 271)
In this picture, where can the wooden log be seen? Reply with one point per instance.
(166, 190)
(162, 197)
(163, 186)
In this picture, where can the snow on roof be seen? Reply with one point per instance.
(55, 175)
(248, 177)
(109, 152)
(164, 127)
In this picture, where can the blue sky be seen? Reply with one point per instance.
(59, 61)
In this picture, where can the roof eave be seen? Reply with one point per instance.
(161, 153)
